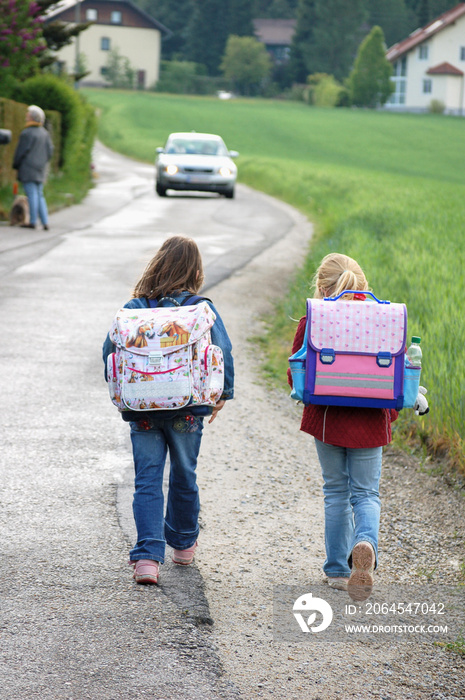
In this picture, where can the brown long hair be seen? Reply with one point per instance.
(176, 267)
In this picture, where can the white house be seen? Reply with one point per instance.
(116, 24)
(430, 65)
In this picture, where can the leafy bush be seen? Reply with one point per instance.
(323, 90)
(186, 78)
(78, 121)
(437, 107)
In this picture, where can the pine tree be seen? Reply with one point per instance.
(393, 17)
(336, 36)
(175, 16)
(302, 40)
(240, 18)
(369, 82)
(208, 32)
(424, 13)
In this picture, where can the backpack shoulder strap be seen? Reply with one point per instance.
(194, 299)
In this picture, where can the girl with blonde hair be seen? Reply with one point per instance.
(349, 443)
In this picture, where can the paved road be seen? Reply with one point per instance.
(73, 624)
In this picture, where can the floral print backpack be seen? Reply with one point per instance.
(164, 358)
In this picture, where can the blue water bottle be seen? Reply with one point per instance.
(412, 372)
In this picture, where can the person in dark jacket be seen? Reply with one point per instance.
(32, 154)
(349, 443)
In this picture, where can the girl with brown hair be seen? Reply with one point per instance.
(174, 274)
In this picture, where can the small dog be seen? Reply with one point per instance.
(19, 213)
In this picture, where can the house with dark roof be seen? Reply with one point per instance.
(277, 35)
(430, 65)
(116, 24)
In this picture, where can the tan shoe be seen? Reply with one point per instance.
(360, 583)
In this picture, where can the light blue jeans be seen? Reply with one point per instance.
(352, 505)
(152, 439)
(37, 204)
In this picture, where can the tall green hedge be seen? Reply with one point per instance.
(12, 116)
(78, 121)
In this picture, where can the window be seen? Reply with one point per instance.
(116, 17)
(398, 96)
(91, 15)
(462, 53)
(103, 70)
(423, 52)
(400, 84)
(105, 43)
(427, 86)
(400, 68)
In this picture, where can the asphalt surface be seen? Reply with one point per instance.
(73, 623)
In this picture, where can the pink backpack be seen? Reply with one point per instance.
(353, 354)
(164, 358)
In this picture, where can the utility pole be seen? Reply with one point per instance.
(77, 13)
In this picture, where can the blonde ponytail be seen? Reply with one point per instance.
(336, 273)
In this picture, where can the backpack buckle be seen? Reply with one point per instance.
(155, 358)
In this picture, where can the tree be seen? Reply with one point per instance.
(176, 16)
(393, 18)
(369, 82)
(336, 36)
(424, 12)
(26, 42)
(240, 18)
(326, 37)
(208, 33)
(280, 9)
(119, 72)
(21, 40)
(246, 63)
(302, 40)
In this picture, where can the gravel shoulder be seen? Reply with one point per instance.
(262, 526)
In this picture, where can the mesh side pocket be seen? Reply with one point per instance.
(411, 385)
(297, 367)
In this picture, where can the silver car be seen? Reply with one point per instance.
(192, 161)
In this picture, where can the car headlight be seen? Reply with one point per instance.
(225, 172)
(172, 169)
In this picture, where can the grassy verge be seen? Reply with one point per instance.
(388, 190)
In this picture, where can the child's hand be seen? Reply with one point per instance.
(216, 408)
(421, 404)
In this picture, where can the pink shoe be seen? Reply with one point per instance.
(184, 556)
(145, 571)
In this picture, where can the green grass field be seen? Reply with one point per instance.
(386, 189)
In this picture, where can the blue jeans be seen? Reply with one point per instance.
(37, 204)
(352, 505)
(151, 439)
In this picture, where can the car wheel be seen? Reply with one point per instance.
(229, 194)
(161, 191)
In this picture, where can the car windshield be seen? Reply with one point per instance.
(205, 147)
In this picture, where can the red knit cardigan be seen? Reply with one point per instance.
(341, 425)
